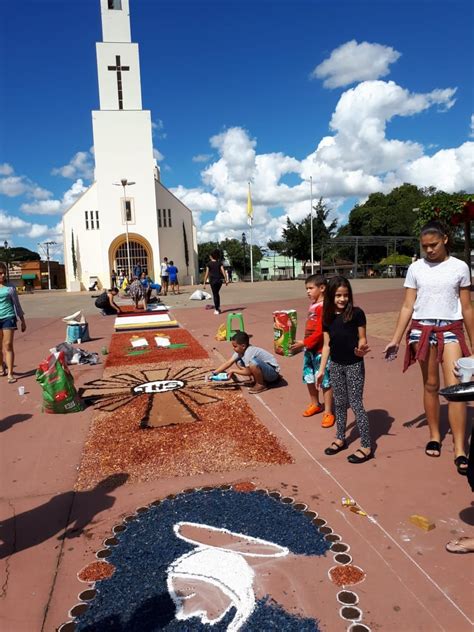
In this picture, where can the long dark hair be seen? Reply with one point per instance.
(435, 227)
(329, 308)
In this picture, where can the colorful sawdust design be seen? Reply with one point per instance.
(121, 350)
(223, 432)
(168, 392)
(222, 560)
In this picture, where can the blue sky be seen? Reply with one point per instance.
(361, 96)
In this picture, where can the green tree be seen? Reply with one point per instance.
(384, 215)
(186, 249)
(73, 255)
(455, 211)
(296, 242)
(204, 250)
(235, 253)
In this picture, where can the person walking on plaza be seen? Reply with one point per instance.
(438, 303)
(114, 279)
(106, 303)
(10, 312)
(173, 277)
(216, 275)
(345, 339)
(313, 345)
(164, 276)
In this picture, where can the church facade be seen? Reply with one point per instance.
(127, 216)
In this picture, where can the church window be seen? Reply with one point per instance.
(158, 212)
(92, 220)
(86, 213)
(169, 218)
(97, 220)
(127, 211)
(115, 4)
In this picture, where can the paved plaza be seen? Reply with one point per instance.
(52, 528)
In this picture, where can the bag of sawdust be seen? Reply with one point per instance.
(59, 393)
(284, 331)
(221, 332)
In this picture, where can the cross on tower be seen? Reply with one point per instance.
(118, 69)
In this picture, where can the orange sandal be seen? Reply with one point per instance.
(312, 410)
(328, 420)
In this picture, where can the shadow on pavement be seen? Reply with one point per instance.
(71, 510)
(155, 613)
(8, 422)
(467, 515)
(380, 423)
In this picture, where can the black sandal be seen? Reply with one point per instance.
(337, 448)
(433, 446)
(353, 458)
(461, 460)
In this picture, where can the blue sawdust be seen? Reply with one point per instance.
(136, 596)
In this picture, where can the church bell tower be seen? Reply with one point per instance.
(123, 145)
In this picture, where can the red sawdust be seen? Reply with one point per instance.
(346, 575)
(245, 486)
(120, 346)
(226, 436)
(95, 571)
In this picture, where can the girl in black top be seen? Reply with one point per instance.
(345, 340)
(216, 274)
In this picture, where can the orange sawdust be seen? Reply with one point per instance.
(226, 436)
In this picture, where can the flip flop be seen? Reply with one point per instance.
(258, 389)
(11, 379)
(456, 546)
(461, 460)
(433, 446)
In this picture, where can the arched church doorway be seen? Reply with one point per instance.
(140, 254)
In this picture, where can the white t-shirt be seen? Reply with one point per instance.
(164, 270)
(437, 288)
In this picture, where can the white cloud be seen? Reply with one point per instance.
(54, 206)
(352, 62)
(81, 165)
(202, 158)
(157, 128)
(14, 186)
(357, 159)
(11, 226)
(157, 155)
(6, 169)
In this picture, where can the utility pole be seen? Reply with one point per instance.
(46, 245)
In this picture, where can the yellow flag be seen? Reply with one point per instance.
(249, 207)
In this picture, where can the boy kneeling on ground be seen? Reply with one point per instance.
(253, 362)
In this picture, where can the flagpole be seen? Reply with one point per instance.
(311, 203)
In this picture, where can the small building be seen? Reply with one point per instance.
(33, 275)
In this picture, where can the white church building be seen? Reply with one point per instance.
(127, 216)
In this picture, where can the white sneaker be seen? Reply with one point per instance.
(217, 312)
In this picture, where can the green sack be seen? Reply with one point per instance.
(59, 393)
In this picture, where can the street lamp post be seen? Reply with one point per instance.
(6, 248)
(311, 207)
(124, 183)
(244, 242)
(46, 246)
